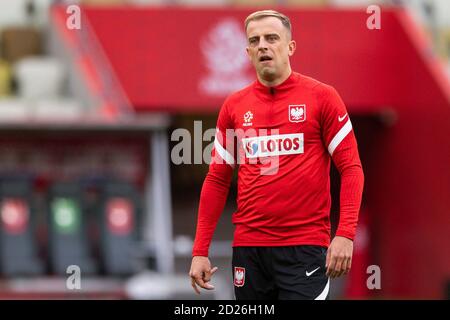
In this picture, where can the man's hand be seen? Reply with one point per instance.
(201, 273)
(339, 257)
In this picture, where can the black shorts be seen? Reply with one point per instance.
(286, 273)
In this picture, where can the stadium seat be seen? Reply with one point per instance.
(39, 78)
(68, 240)
(444, 43)
(18, 249)
(119, 219)
(13, 13)
(5, 78)
(20, 42)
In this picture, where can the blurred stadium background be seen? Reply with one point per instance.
(86, 117)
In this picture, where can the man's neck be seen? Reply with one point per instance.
(275, 82)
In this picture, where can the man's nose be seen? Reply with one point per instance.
(262, 45)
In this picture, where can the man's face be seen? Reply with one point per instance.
(269, 47)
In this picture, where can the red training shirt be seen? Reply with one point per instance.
(282, 139)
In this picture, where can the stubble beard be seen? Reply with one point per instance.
(267, 73)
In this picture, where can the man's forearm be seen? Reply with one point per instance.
(212, 202)
(352, 184)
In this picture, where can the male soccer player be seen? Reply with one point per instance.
(289, 128)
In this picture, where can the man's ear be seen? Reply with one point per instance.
(247, 49)
(292, 46)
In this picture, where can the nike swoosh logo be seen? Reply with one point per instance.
(310, 273)
(343, 117)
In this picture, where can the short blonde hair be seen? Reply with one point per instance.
(270, 13)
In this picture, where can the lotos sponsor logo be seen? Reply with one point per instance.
(251, 147)
(274, 145)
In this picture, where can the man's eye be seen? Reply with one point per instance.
(253, 41)
(272, 38)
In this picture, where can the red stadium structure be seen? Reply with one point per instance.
(184, 60)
